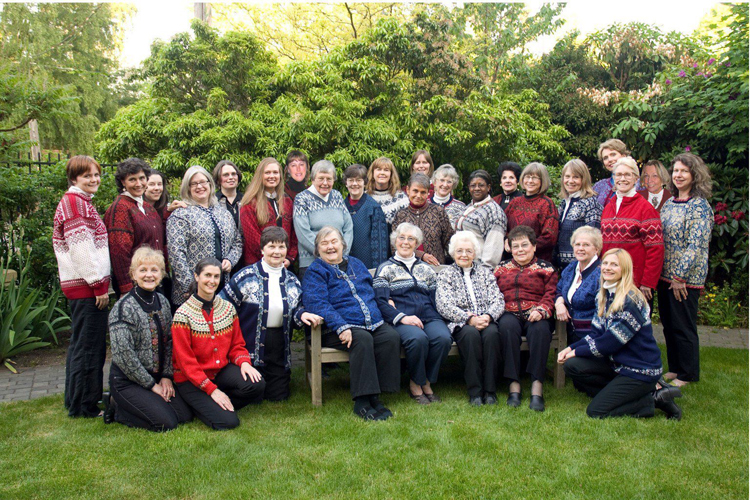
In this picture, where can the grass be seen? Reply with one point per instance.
(449, 450)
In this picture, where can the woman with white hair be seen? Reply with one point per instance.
(318, 206)
(405, 292)
(633, 224)
(469, 299)
(445, 180)
(202, 229)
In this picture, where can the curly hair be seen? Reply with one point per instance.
(702, 184)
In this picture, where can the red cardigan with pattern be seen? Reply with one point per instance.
(527, 288)
(251, 230)
(636, 227)
(128, 229)
(204, 343)
(540, 214)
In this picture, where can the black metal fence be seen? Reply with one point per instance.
(38, 163)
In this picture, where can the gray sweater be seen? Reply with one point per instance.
(311, 214)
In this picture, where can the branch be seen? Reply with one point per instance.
(18, 126)
(351, 19)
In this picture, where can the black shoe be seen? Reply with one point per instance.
(514, 399)
(537, 403)
(109, 408)
(666, 394)
(380, 407)
(475, 401)
(673, 411)
(367, 412)
(490, 398)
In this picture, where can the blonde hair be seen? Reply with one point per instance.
(625, 287)
(255, 194)
(589, 232)
(147, 254)
(538, 169)
(577, 167)
(630, 163)
(394, 183)
(185, 186)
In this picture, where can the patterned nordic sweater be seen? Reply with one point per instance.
(370, 243)
(129, 229)
(343, 299)
(79, 239)
(687, 228)
(453, 299)
(191, 236)
(204, 343)
(488, 221)
(527, 288)
(390, 203)
(311, 214)
(582, 307)
(626, 338)
(540, 214)
(453, 207)
(248, 292)
(140, 349)
(637, 229)
(413, 292)
(582, 212)
(251, 230)
(434, 223)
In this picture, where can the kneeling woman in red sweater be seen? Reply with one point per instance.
(212, 368)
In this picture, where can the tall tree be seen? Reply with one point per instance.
(73, 45)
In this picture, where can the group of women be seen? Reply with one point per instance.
(382, 268)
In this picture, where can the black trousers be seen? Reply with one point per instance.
(680, 322)
(480, 354)
(143, 408)
(274, 366)
(374, 359)
(614, 395)
(240, 391)
(84, 365)
(538, 335)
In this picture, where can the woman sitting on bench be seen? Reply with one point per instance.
(339, 288)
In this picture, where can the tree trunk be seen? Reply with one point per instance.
(36, 145)
(202, 11)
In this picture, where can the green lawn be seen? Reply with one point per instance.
(449, 450)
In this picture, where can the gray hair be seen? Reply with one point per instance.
(185, 186)
(465, 236)
(407, 228)
(446, 170)
(325, 231)
(421, 180)
(323, 167)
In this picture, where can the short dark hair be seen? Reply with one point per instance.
(482, 174)
(217, 172)
(273, 234)
(356, 171)
(129, 167)
(198, 269)
(520, 232)
(80, 165)
(509, 165)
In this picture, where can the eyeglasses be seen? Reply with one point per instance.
(355, 182)
(410, 239)
(201, 184)
(533, 177)
(461, 251)
(625, 175)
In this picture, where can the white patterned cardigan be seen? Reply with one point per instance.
(454, 303)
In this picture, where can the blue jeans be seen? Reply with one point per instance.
(426, 350)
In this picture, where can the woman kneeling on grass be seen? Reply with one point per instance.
(211, 365)
(140, 380)
(339, 289)
(619, 363)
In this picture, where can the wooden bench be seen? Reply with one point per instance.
(316, 355)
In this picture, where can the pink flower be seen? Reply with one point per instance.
(727, 64)
(738, 215)
(720, 219)
(711, 61)
(707, 75)
(695, 65)
(682, 74)
(688, 148)
(720, 207)
(668, 81)
(700, 73)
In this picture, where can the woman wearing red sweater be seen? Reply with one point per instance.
(536, 210)
(212, 368)
(630, 222)
(265, 205)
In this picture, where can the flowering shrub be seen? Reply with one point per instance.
(723, 306)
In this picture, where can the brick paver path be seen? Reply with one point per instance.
(46, 380)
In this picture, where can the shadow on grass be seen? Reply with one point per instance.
(448, 450)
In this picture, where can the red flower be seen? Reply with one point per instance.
(738, 215)
(720, 207)
(720, 219)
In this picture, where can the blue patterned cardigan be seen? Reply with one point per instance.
(626, 338)
(582, 307)
(582, 212)
(370, 242)
(344, 299)
(686, 225)
(247, 291)
(413, 291)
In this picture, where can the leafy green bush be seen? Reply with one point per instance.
(724, 306)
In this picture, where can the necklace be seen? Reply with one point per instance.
(135, 289)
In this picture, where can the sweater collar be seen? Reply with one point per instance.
(409, 263)
(80, 192)
(199, 303)
(480, 203)
(316, 193)
(533, 261)
(441, 200)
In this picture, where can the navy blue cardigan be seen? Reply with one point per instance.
(582, 308)
(413, 291)
(370, 243)
(626, 338)
(343, 299)
(248, 292)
